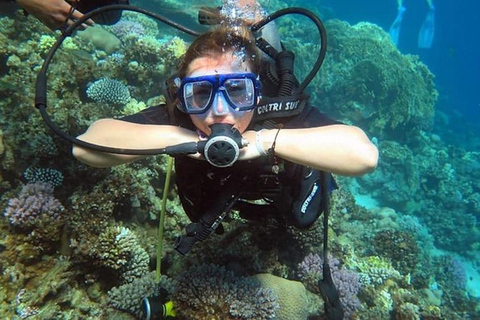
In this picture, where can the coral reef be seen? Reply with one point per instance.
(430, 181)
(108, 91)
(374, 85)
(346, 281)
(210, 291)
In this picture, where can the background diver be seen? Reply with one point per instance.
(427, 30)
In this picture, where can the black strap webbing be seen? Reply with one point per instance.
(210, 221)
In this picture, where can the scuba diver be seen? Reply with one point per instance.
(218, 86)
(427, 30)
(243, 134)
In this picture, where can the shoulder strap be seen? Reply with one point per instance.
(280, 107)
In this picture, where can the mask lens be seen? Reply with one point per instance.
(197, 95)
(241, 92)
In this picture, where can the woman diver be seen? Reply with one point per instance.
(219, 84)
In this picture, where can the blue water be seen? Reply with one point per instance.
(453, 57)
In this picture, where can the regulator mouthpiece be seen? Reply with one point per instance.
(222, 148)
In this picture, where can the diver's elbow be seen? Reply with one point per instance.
(78, 153)
(85, 156)
(370, 158)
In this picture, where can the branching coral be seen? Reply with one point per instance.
(109, 91)
(34, 204)
(118, 249)
(374, 271)
(43, 175)
(128, 297)
(210, 291)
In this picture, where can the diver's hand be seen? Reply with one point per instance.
(52, 13)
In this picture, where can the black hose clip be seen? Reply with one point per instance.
(195, 231)
(209, 15)
(105, 18)
(210, 221)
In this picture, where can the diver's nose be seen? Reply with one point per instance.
(219, 105)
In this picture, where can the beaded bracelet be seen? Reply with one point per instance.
(271, 151)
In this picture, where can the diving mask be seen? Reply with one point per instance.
(240, 90)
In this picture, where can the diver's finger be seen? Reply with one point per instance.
(78, 15)
(70, 22)
(83, 26)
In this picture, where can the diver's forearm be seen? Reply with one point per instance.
(340, 149)
(125, 135)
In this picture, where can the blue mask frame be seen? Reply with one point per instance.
(240, 90)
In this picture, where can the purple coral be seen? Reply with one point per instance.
(312, 264)
(35, 201)
(346, 281)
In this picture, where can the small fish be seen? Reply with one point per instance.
(80, 54)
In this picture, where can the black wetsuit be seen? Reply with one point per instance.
(200, 184)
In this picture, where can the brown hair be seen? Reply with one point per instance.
(219, 41)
